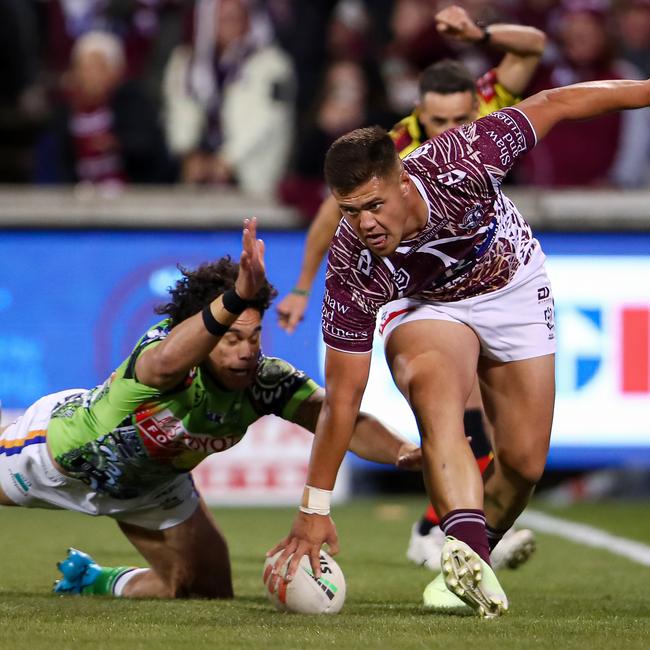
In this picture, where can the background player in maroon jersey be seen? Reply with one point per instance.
(434, 236)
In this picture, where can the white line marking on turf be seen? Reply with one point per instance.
(587, 535)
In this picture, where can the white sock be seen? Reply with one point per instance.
(124, 579)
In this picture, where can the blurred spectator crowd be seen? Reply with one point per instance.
(250, 93)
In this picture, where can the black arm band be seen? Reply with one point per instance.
(485, 39)
(212, 324)
(233, 303)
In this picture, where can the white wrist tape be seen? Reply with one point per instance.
(315, 501)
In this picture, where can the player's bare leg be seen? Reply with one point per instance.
(434, 364)
(519, 397)
(427, 539)
(5, 500)
(514, 547)
(188, 560)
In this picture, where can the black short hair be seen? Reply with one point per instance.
(358, 156)
(199, 287)
(446, 77)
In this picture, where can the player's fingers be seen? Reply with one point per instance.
(283, 558)
(291, 324)
(275, 581)
(333, 544)
(284, 314)
(302, 549)
(410, 462)
(252, 228)
(294, 318)
(314, 560)
(248, 236)
(278, 547)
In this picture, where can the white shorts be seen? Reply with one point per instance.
(29, 478)
(512, 323)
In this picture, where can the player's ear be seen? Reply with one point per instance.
(404, 181)
(475, 107)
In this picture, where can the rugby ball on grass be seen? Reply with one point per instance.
(305, 594)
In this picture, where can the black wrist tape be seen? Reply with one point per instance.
(212, 324)
(485, 39)
(233, 303)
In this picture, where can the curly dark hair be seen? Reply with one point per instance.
(199, 287)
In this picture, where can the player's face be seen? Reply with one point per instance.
(439, 113)
(378, 211)
(234, 359)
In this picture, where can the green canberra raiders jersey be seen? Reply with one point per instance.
(123, 438)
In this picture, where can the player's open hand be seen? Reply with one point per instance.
(251, 276)
(409, 457)
(456, 23)
(291, 310)
(307, 536)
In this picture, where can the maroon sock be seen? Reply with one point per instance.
(468, 526)
(494, 536)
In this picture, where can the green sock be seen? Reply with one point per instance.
(105, 581)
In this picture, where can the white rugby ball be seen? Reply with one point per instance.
(306, 594)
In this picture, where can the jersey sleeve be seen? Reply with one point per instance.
(502, 138)
(152, 337)
(492, 96)
(406, 135)
(279, 388)
(347, 326)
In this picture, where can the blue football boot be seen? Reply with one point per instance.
(79, 572)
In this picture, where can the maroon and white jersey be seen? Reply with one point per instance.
(473, 243)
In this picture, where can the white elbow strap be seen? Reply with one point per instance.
(315, 501)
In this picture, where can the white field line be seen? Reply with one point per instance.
(586, 535)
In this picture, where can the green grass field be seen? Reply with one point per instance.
(568, 596)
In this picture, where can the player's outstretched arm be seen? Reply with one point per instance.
(583, 101)
(191, 341)
(346, 376)
(523, 46)
(371, 439)
(292, 307)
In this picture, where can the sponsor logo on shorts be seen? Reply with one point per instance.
(22, 483)
(543, 293)
(549, 317)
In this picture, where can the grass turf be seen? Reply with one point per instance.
(568, 596)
